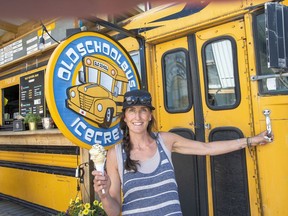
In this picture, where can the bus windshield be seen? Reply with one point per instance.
(106, 81)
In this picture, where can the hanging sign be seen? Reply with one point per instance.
(86, 79)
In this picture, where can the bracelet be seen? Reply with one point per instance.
(248, 142)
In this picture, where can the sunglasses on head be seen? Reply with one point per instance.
(132, 100)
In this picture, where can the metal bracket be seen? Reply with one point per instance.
(260, 77)
(140, 39)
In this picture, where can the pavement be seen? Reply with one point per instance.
(9, 208)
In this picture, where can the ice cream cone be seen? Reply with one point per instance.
(98, 156)
(100, 167)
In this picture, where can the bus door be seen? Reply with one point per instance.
(175, 113)
(225, 96)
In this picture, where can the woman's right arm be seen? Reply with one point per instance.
(111, 183)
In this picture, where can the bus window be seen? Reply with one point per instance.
(106, 81)
(118, 88)
(220, 74)
(275, 85)
(175, 75)
(92, 75)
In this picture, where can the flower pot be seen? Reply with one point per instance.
(32, 126)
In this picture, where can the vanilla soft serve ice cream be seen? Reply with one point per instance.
(98, 156)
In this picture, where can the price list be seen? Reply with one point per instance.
(32, 93)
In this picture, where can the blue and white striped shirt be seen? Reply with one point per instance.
(154, 193)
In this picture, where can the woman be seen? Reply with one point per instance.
(141, 165)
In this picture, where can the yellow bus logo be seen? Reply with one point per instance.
(99, 96)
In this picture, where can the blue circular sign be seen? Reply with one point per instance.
(86, 79)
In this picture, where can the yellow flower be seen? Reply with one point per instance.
(87, 205)
(96, 202)
(86, 211)
(78, 208)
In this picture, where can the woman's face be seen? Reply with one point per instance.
(137, 118)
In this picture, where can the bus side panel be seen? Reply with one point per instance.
(49, 190)
(272, 160)
(40, 175)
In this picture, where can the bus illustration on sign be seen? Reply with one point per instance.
(100, 94)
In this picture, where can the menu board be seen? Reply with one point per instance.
(29, 43)
(32, 94)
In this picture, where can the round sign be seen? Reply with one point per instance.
(86, 79)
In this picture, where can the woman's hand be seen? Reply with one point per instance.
(101, 183)
(262, 138)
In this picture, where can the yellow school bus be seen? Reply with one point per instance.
(100, 94)
(217, 71)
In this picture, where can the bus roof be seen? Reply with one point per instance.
(180, 18)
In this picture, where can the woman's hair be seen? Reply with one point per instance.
(129, 163)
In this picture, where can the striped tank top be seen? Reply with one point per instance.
(154, 193)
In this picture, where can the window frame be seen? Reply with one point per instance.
(189, 80)
(235, 73)
(255, 32)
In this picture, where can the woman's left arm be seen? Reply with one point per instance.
(176, 143)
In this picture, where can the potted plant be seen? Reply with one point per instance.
(78, 207)
(32, 119)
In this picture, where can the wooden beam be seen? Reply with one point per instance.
(8, 27)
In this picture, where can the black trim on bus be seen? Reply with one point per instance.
(121, 36)
(236, 73)
(43, 211)
(189, 84)
(229, 176)
(68, 150)
(256, 45)
(186, 174)
(39, 168)
(188, 10)
(199, 125)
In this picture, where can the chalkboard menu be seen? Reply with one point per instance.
(32, 93)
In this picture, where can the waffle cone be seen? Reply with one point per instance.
(100, 167)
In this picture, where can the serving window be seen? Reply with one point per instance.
(10, 104)
(22, 94)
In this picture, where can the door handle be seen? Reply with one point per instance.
(267, 113)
